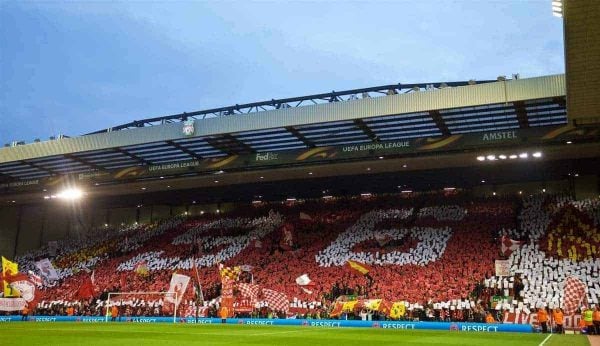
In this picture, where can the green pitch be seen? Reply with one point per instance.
(187, 334)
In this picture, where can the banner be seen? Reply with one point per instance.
(570, 322)
(9, 268)
(47, 269)
(178, 285)
(243, 305)
(21, 283)
(401, 325)
(12, 304)
(227, 293)
(502, 268)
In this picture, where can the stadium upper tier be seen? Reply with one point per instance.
(441, 111)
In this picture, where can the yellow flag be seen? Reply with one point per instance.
(398, 310)
(373, 304)
(349, 306)
(359, 267)
(9, 268)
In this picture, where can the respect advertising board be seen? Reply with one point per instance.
(400, 325)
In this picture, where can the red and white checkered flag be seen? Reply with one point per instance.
(277, 300)
(249, 290)
(575, 295)
(507, 245)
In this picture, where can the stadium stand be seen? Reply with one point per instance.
(434, 254)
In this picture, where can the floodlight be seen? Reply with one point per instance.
(70, 194)
(523, 155)
(537, 154)
(480, 158)
(491, 157)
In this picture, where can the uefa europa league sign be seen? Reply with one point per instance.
(188, 127)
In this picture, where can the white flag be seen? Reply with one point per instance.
(303, 280)
(178, 285)
(46, 269)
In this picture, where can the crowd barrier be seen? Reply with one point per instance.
(454, 326)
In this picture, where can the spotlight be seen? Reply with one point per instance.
(523, 155)
(70, 194)
(502, 157)
(513, 156)
(537, 154)
(491, 157)
(480, 158)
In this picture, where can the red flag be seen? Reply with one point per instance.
(86, 290)
(509, 245)
(337, 309)
(123, 281)
(385, 306)
(575, 295)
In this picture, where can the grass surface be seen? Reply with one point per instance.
(188, 334)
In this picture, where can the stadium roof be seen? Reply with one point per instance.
(349, 117)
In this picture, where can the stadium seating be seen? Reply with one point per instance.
(436, 253)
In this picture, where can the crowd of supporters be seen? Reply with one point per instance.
(435, 254)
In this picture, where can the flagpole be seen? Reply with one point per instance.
(199, 288)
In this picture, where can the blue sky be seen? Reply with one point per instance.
(76, 67)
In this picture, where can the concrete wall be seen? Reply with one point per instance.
(587, 186)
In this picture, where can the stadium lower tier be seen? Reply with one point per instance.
(432, 258)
